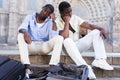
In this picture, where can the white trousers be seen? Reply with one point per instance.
(91, 39)
(40, 47)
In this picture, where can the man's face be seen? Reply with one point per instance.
(66, 12)
(45, 12)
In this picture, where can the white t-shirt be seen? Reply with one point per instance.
(39, 24)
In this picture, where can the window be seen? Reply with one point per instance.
(1, 3)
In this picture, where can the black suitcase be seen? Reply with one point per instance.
(11, 69)
(68, 72)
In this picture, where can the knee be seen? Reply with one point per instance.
(96, 31)
(59, 38)
(20, 39)
(20, 36)
(67, 41)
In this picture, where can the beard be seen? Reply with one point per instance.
(42, 16)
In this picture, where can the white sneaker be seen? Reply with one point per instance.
(28, 71)
(101, 63)
(91, 74)
(27, 76)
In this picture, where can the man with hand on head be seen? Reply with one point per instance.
(69, 26)
(37, 35)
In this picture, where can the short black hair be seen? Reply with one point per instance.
(63, 5)
(50, 7)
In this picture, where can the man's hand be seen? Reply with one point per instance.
(92, 27)
(52, 16)
(27, 38)
(66, 19)
(65, 31)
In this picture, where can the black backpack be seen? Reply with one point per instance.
(63, 72)
(69, 71)
(11, 69)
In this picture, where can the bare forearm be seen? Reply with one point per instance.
(22, 31)
(95, 27)
(27, 38)
(54, 26)
(90, 26)
(65, 31)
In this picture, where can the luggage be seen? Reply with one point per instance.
(11, 69)
(68, 72)
(40, 74)
(75, 72)
(62, 71)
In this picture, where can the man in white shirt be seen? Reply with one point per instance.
(69, 26)
(37, 35)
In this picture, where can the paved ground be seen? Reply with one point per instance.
(108, 79)
(96, 79)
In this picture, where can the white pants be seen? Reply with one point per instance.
(40, 47)
(91, 39)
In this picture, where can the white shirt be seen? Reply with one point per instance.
(39, 24)
(75, 23)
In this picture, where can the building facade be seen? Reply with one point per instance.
(104, 13)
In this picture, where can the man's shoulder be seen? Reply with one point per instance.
(75, 16)
(58, 19)
(31, 15)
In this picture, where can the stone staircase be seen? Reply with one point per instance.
(38, 61)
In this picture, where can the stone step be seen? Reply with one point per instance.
(108, 79)
(108, 74)
(113, 58)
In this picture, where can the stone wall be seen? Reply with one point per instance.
(104, 13)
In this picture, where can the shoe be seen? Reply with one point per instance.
(91, 74)
(102, 64)
(27, 76)
(28, 71)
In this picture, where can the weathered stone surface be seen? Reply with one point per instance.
(104, 13)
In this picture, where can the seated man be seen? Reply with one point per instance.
(38, 36)
(69, 26)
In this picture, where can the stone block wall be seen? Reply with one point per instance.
(104, 13)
